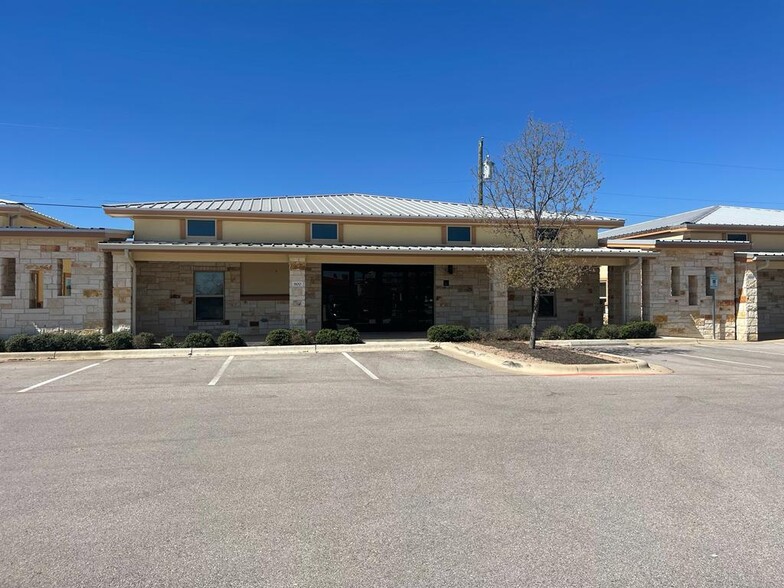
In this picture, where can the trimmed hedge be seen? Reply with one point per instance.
(638, 330)
(199, 339)
(445, 333)
(609, 332)
(301, 337)
(18, 343)
(119, 340)
(553, 333)
(349, 336)
(231, 339)
(328, 337)
(169, 341)
(144, 341)
(279, 337)
(579, 331)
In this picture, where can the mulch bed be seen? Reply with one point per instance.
(560, 355)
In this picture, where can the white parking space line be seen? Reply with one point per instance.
(49, 381)
(765, 367)
(221, 370)
(753, 351)
(360, 366)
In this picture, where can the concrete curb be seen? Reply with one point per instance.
(482, 359)
(217, 351)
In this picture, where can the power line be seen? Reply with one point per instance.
(710, 164)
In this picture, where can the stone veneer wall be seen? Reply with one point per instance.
(580, 305)
(83, 309)
(466, 299)
(746, 303)
(672, 314)
(165, 301)
(313, 296)
(770, 301)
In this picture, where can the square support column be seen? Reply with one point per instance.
(122, 292)
(748, 313)
(297, 293)
(499, 299)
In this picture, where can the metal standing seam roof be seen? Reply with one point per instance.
(14, 204)
(739, 216)
(350, 204)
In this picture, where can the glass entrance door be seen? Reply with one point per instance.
(377, 297)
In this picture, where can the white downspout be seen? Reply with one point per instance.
(129, 257)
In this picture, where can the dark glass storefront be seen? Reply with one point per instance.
(377, 297)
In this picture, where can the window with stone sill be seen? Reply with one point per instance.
(8, 276)
(208, 295)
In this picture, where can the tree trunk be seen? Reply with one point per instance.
(534, 317)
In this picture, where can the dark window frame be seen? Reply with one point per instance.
(202, 222)
(548, 309)
(736, 237)
(197, 297)
(458, 228)
(547, 234)
(322, 226)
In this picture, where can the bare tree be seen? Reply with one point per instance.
(543, 186)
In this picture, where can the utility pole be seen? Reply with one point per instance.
(480, 173)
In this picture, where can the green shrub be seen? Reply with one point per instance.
(447, 333)
(46, 342)
(475, 335)
(278, 337)
(301, 337)
(169, 341)
(349, 336)
(71, 342)
(199, 339)
(119, 340)
(2, 346)
(18, 343)
(144, 341)
(579, 331)
(609, 332)
(553, 332)
(638, 330)
(328, 337)
(231, 339)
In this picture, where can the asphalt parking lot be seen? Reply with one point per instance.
(392, 469)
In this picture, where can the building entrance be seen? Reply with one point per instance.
(377, 297)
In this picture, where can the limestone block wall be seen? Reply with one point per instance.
(462, 297)
(746, 303)
(83, 309)
(677, 315)
(165, 301)
(770, 301)
(122, 292)
(579, 305)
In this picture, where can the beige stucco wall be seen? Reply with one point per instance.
(487, 236)
(83, 309)
(767, 241)
(264, 232)
(379, 234)
(264, 278)
(153, 229)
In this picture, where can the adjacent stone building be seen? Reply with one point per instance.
(52, 275)
(742, 248)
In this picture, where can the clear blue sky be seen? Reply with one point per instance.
(106, 102)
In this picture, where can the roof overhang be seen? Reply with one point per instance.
(97, 233)
(303, 248)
